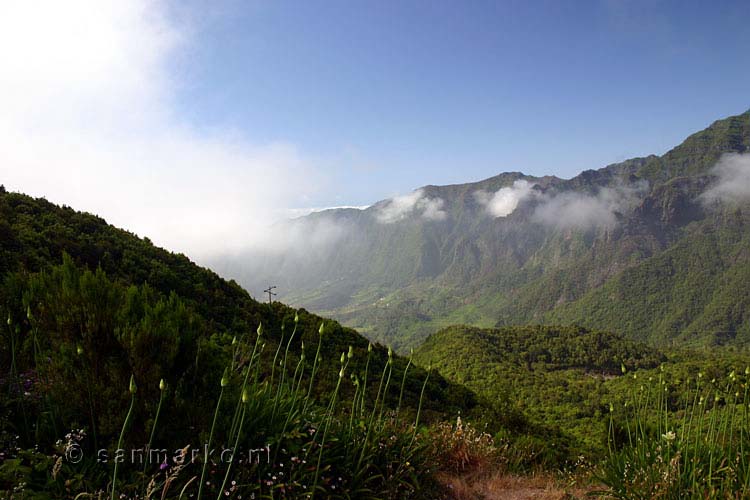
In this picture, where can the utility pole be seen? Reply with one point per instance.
(270, 293)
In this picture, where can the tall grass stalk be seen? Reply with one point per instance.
(403, 381)
(328, 418)
(132, 388)
(162, 388)
(321, 330)
(224, 382)
(244, 398)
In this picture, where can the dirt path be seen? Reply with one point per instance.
(508, 487)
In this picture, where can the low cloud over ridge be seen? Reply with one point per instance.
(564, 210)
(414, 203)
(732, 182)
(504, 201)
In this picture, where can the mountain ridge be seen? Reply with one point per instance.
(410, 265)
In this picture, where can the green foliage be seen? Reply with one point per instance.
(546, 382)
(680, 438)
(78, 330)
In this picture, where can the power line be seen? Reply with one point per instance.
(270, 293)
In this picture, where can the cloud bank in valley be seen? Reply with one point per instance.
(732, 182)
(414, 203)
(564, 210)
(90, 119)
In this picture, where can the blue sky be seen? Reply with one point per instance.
(389, 96)
(199, 123)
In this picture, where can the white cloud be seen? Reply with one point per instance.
(89, 120)
(582, 211)
(414, 203)
(504, 201)
(563, 210)
(732, 182)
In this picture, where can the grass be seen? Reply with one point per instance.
(680, 439)
(340, 445)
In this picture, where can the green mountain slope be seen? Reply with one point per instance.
(35, 235)
(660, 265)
(555, 375)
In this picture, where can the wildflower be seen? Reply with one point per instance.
(669, 436)
(132, 387)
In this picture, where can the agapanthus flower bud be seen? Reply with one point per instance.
(225, 378)
(343, 358)
(245, 396)
(234, 340)
(133, 388)
(79, 350)
(369, 347)
(10, 321)
(321, 329)
(28, 313)
(350, 354)
(260, 329)
(624, 370)
(390, 352)
(296, 318)
(162, 385)
(341, 373)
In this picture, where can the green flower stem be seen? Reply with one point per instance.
(122, 436)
